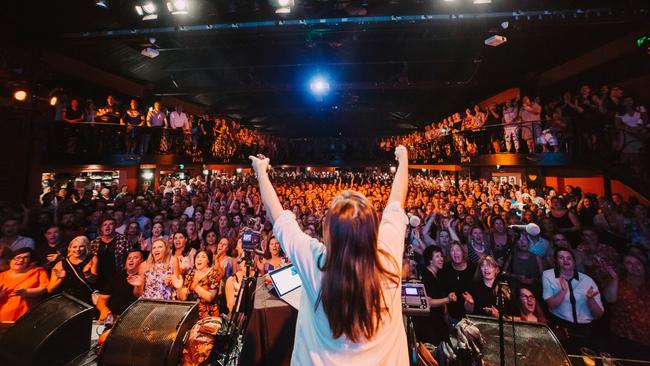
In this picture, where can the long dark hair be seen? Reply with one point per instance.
(186, 248)
(351, 287)
(267, 250)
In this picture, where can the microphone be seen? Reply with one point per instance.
(532, 229)
(414, 221)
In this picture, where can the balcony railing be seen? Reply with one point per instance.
(113, 143)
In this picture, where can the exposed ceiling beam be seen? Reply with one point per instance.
(314, 65)
(97, 76)
(601, 55)
(110, 81)
(285, 24)
(277, 88)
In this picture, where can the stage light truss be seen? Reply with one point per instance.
(536, 15)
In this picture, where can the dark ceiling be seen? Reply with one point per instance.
(385, 76)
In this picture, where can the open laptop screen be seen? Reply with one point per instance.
(285, 279)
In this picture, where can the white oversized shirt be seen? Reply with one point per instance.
(314, 343)
(580, 285)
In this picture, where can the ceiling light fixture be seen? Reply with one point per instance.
(282, 6)
(101, 4)
(20, 95)
(495, 40)
(150, 52)
(178, 7)
(147, 10)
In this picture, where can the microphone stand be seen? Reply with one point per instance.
(501, 308)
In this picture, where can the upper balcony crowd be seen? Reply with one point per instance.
(605, 121)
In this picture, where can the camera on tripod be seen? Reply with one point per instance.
(250, 238)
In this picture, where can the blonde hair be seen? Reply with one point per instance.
(166, 257)
(82, 240)
(486, 259)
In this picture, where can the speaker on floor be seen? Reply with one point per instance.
(536, 344)
(52, 333)
(150, 332)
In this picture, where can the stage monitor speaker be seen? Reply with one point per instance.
(536, 343)
(52, 333)
(150, 332)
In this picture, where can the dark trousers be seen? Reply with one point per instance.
(572, 336)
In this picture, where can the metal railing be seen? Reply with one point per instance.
(97, 140)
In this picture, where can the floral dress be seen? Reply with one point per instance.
(202, 335)
(211, 281)
(629, 317)
(155, 286)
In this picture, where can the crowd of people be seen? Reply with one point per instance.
(604, 120)
(574, 261)
(113, 128)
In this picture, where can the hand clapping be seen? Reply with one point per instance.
(564, 285)
(468, 297)
(591, 293)
(134, 280)
(60, 273)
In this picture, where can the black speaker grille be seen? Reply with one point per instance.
(43, 335)
(150, 332)
(536, 343)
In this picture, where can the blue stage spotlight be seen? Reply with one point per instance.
(319, 86)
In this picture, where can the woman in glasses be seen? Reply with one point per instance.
(528, 308)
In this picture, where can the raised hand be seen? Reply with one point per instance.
(259, 163)
(401, 154)
(143, 242)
